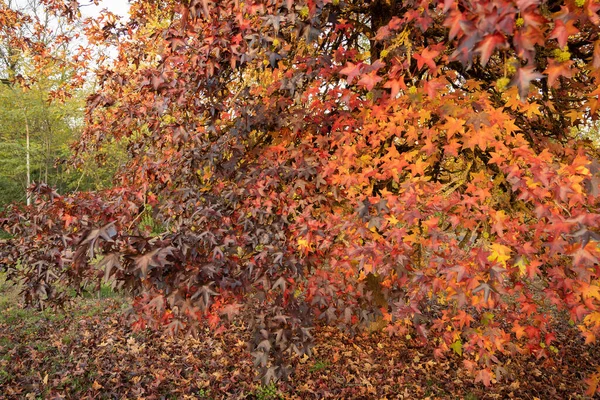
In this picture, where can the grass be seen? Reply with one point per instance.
(318, 366)
(268, 392)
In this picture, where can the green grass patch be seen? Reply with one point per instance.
(268, 392)
(318, 366)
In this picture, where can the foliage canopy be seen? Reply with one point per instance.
(402, 164)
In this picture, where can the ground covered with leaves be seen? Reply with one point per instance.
(88, 351)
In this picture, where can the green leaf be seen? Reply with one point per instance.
(457, 347)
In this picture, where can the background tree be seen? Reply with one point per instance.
(403, 165)
(42, 103)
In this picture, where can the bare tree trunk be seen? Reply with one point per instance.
(28, 164)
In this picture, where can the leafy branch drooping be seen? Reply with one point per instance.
(410, 166)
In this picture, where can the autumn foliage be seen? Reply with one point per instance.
(410, 166)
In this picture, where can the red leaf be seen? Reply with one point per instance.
(395, 85)
(110, 261)
(453, 126)
(453, 21)
(351, 71)
(144, 261)
(488, 45)
(157, 80)
(562, 31)
(525, 4)
(426, 58)
(596, 61)
(177, 42)
(369, 80)
(484, 376)
(522, 78)
(231, 310)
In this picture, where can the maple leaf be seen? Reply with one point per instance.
(486, 288)
(145, 261)
(157, 81)
(205, 292)
(418, 167)
(583, 257)
(593, 382)
(176, 42)
(557, 69)
(454, 21)
(453, 126)
(522, 79)
(518, 330)
(351, 71)
(395, 85)
(69, 219)
(157, 303)
(174, 327)
(523, 5)
(427, 58)
(464, 319)
(432, 87)
(499, 224)
(369, 80)
(452, 148)
(457, 346)
(279, 283)
(487, 46)
(497, 158)
(596, 55)
(562, 31)
(484, 376)
(110, 261)
(592, 319)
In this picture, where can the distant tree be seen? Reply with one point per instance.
(41, 102)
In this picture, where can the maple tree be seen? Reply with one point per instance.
(409, 165)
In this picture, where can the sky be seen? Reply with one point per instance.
(119, 7)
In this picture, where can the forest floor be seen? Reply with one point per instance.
(89, 352)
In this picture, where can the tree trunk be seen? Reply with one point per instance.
(381, 12)
(28, 164)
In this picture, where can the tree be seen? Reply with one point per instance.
(41, 101)
(405, 164)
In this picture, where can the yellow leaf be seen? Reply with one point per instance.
(522, 264)
(365, 158)
(592, 319)
(302, 243)
(500, 253)
(392, 220)
(592, 290)
(96, 385)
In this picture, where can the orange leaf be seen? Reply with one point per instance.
(484, 376)
(426, 58)
(557, 69)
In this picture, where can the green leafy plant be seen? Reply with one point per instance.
(268, 392)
